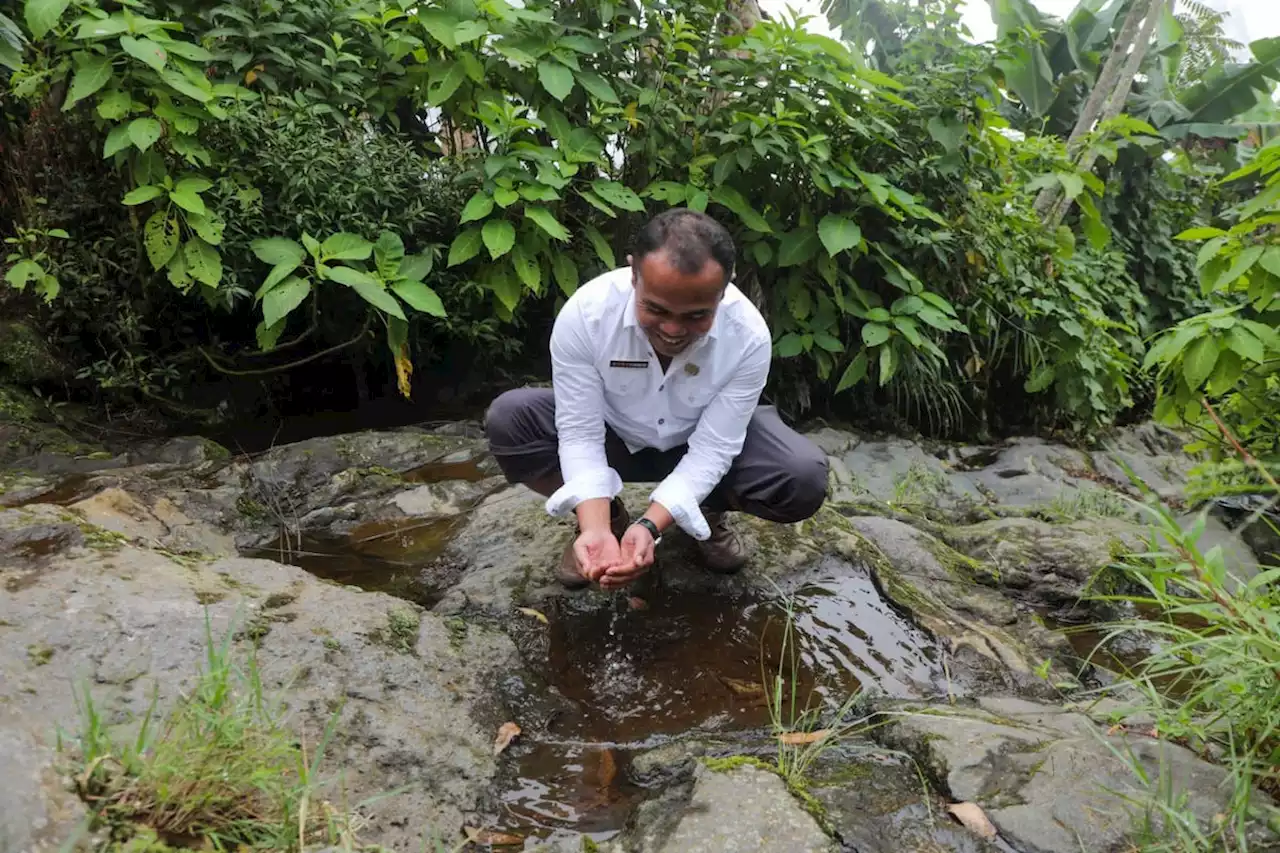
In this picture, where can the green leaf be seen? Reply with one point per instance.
(1040, 380)
(505, 288)
(544, 220)
(189, 201)
(346, 247)
(117, 141)
(1246, 345)
(43, 15)
(732, 200)
(144, 50)
(268, 336)
(888, 364)
(142, 195)
(92, 73)
(278, 250)
(499, 236)
(201, 93)
(160, 238)
(465, 247)
(278, 273)
(830, 343)
(798, 246)
(598, 87)
(838, 234)
(1270, 260)
(527, 268)
(114, 105)
(854, 373)
(478, 206)
(565, 271)
(469, 31)
(1241, 265)
(1072, 185)
(507, 197)
(312, 244)
(419, 297)
(204, 264)
(441, 88)
(187, 50)
(603, 250)
(281, 300)
(143, 132)
(909, 330)
(417, 267)
(388, 252)
(91, 28)
(618, 195)
(597, 202)
(440, 25)
(1209, 251)
(555, 78)
(1202, 233)
(369, 288)
(22, 272)
(1198, 363)
(874, 334)
(789, 345)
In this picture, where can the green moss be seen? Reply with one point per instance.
(102, 540)
(377, 471)
(401, 631)
(207, 597)
(332, 644)
(213, 451)
(251, 509)
(457, 627)
(39, 654)
(810, 804)
(279, 599)
(730, 763)
(589, 846)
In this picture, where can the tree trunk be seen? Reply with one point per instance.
(1115, 103)
(1098, 97)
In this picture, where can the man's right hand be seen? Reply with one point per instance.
(597, 552)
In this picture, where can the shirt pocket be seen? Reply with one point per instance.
(624, 381)
(689, 396)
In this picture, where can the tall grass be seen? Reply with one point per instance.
(218, 771)
(1213, 680)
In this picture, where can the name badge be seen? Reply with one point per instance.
(633, 365)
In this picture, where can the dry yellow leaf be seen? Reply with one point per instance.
(491, 837)
(802, 738)
(974, 819)
(536, 614)
(404, 371)
(743, 688)
(507, 732)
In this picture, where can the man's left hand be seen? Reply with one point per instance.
(637, 556)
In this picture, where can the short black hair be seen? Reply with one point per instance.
(690, 239)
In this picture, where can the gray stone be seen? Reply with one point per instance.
(30, 534)
(1051, 781)
(744, 810)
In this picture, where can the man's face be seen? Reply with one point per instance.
(675, 309)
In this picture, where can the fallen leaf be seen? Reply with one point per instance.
(1117, 728)
(536, 614)
(974, 819)
(507, 732)
(491, 837)
(801, 738)
(607, 770)
(635, 602)
(743, 688)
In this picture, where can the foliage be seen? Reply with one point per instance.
(219, 767)
(1211, 681)
(1232, 354)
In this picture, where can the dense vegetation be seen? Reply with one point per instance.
(196, 191)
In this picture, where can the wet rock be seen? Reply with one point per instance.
(745, 809)
(31, 534)
(1050, 780)
(415, 700)
(162, 524)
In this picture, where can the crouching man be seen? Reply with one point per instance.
(657, 370)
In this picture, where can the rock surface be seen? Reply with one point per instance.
(936, 562)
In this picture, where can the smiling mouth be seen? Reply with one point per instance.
(674, 343)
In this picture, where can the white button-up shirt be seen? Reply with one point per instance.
(605, 372)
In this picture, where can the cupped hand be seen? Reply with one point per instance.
(637, 548)
(597, 552)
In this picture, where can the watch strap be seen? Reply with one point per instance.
(651, 527)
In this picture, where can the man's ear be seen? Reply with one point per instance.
(629, 261)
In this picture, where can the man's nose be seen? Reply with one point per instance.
(671, 328)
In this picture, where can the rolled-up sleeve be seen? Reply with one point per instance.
(579, 391)
(715, 443)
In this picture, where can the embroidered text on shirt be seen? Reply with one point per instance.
(636, 365)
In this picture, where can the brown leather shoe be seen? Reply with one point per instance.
(569, 573)
(723, 553)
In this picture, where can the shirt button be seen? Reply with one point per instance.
(662, 387)
(661, 421)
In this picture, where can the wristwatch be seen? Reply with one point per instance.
(651, 527)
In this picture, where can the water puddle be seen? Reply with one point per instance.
(439, 472)
(694, 662)
(70, 490)
(404, 558)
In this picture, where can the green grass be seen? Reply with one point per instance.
(1087, 502)
(218, 771)
(1212, 683)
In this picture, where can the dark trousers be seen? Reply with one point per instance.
(779, 476)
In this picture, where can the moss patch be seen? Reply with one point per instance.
(401, 631)
(39, 654)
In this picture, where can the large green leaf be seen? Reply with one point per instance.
(204, 264)
(369, 288)
(598, 87)
(618, 195)
(278, 250)
(565, 271)
(188, 200)
(142, 195)
(346, 247)
(499, 236)
(144, 132)
(798, 246)
(838, 233)
(419, 297)
(555, 78)
(604, 251)
(144, 50)
(729, 198)
(1028, 75)
(546, 221)
(282, 299)
(92, 73)
(1198, 363)
(527, 268)
(465, 246)
(1234, 88)
(42, 15)
(160, 238)
(854, 373)
(388, 253)
(478, 206)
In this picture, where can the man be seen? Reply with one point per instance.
(657, 370)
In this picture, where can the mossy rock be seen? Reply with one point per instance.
(25, 356)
